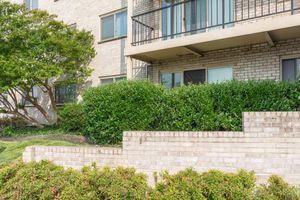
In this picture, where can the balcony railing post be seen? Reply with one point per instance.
(223, 13)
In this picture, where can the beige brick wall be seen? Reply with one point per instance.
(269, 145)
(257, 62)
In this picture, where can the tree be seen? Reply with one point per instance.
(35, 51)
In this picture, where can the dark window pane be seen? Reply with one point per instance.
(65, 94)
(289, 70)
(194, 76)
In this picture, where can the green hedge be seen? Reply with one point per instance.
(72, 118)
(143, 106)
(114, 108)
(46, 181)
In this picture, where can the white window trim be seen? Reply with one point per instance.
(191, 69)
(109, 14)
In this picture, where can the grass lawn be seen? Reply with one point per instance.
(12, 151)
(47, 130)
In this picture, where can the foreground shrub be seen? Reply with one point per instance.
(214, 184)
(47, 181)
(124, 106)
(277, 189)
(72, 117)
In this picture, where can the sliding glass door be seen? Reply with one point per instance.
(195, 16)
(171, 19)
(216, 13)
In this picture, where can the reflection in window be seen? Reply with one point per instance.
(291, 70)
(114, 26)
(171, 80)
(65, 94)
(105, 81)
(31, 4)
(218, 75)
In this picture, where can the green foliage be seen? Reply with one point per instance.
(277, 189)
(46, 181)
(187, 108)
(214, 184)
(35, 50)
(13, 122)
(72, 117)
(114, 108)
(233, 98)
(142, 106)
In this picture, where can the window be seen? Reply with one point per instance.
(114, 26)
(65, 94)
(195, 76)
(171, 80)
(291, 70)
(198, 76)
(217, 75)
(105, 81)
(31, 4)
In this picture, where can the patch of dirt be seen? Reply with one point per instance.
(75, 139)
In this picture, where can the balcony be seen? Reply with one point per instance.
(195, 26)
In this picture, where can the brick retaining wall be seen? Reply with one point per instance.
(269, 144)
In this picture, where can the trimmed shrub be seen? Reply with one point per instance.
(187, 108)
(277, 189)
(143, 106)
(72, 117)
(214, 184)
(124, 106)
(231, 99)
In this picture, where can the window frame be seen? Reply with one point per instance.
(114, 13)
(114, 79)
(199, 68)
(288, 57)
(173, 77)
(30, 6)
(56, 86)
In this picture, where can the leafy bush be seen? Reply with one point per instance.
(214, 184)
(187, 108)
(143, 106)
(46, 181)
(231, 99)
(124, 106)
(277, 189)
(72, 117)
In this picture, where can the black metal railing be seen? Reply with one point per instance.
(196, 16)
